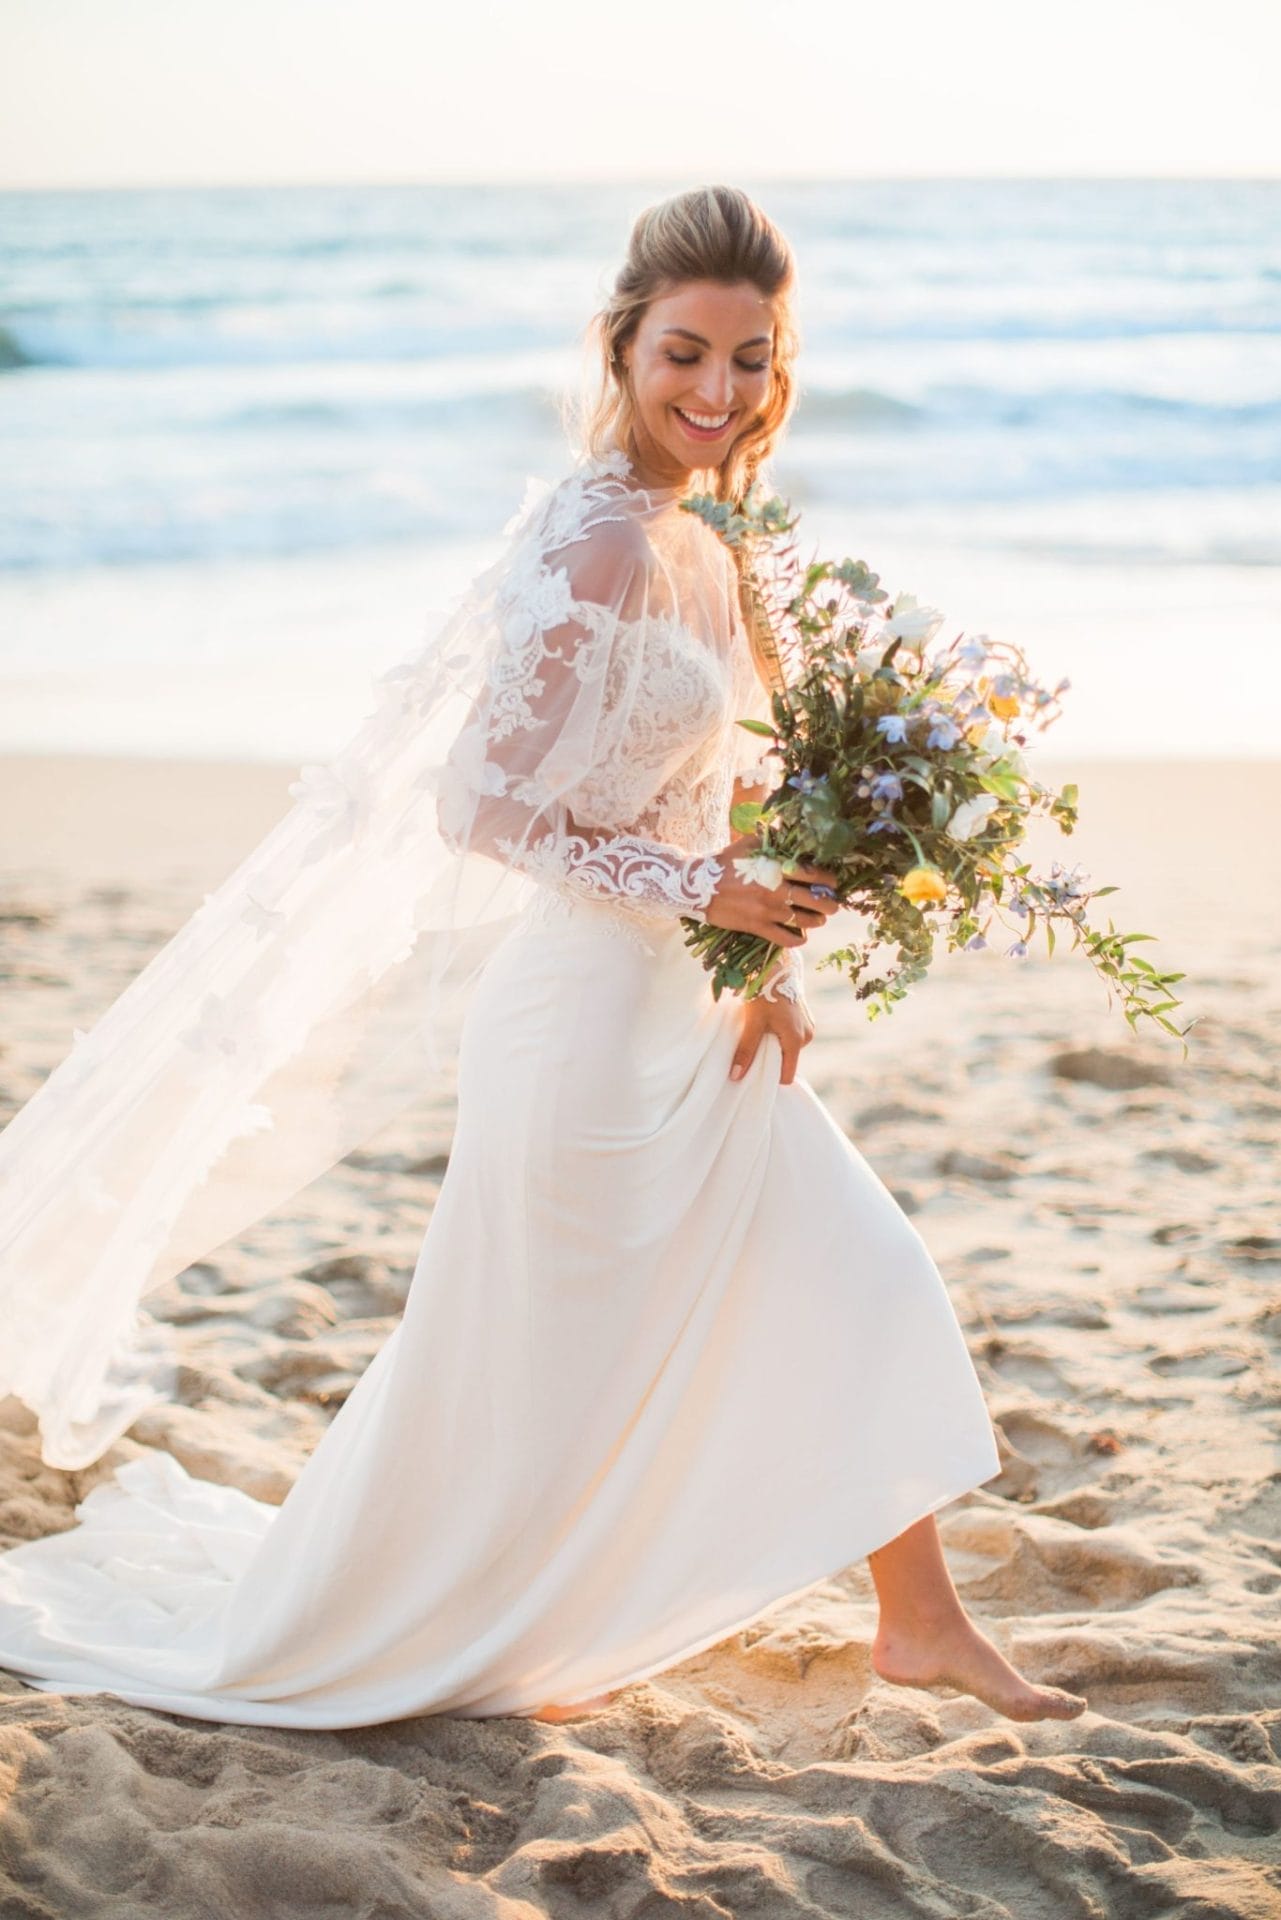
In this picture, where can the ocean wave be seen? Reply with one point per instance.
(1074, 409)
(379, 325)
(518, 407)
(12, 352)
(111, 346)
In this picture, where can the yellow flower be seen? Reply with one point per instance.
(1004, 706)
(922, 885)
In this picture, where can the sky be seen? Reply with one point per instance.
(105, 93)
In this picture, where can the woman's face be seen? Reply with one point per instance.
(700, 375)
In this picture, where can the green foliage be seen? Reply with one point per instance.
(895, 755)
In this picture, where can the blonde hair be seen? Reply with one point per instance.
(706, 233)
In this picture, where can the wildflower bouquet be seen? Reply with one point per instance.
(900, 770)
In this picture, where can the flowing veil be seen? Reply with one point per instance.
(316, 992)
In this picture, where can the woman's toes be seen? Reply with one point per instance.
(574, 1710)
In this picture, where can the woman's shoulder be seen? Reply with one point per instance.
(591, 519)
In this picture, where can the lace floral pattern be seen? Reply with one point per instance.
(624, 865)
(643, 809)
(787, 980)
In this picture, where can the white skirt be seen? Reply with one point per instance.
(672, 1353)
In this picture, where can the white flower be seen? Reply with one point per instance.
(262, 919)
(910, 621)
(969, 817)
(77, 1063)
(406, 689)
(340, 806)
(549, 598)
(533, 600)
(996, 747)
(255, 1117)
(536, 491)
(91, 1189)
(614, 461)
(534, 791)
(467, 757)
(868, 659)
(216, 1031)
(762, 868)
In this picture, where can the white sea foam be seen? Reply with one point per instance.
(1064, 377)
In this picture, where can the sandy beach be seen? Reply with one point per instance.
(1104, 1213)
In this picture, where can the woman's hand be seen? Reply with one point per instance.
(782, 914)
(789, 1019)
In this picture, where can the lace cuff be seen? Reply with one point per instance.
(645, 875)
(786, 979)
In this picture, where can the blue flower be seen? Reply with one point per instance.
(806, 782)
(883, 823)
(1018, 904)
(893, 726)
(1018, 951)
(975, 943)
(1064, 886)
(886, 788)
(943, 733)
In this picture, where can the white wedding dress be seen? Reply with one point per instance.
(671, 1351)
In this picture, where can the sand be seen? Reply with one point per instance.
(1105, 1216)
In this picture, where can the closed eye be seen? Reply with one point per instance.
(688, 359)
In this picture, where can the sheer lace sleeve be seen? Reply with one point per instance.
(787, 979)
(562, 756)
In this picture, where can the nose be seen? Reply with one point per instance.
(716, 388)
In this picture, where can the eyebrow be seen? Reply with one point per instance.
(757, 340)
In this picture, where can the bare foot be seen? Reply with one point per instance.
(958, 1655)
(574, 1710)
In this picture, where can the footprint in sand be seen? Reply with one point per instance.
(1211, 1363)
(1024, 1363)
(1038, 1564)
(1186, 1159)
(1172, 1297)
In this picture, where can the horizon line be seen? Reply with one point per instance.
(640, 180)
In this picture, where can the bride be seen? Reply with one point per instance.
(671, 1351)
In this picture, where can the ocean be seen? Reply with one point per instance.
(253, 440)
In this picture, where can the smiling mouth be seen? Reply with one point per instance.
(704, 426)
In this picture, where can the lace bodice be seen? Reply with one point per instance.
(603, 762)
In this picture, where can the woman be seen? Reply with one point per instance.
(555, 1477)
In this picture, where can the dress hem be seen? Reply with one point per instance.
(701, 1645)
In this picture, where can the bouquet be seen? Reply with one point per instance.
(900, 769)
